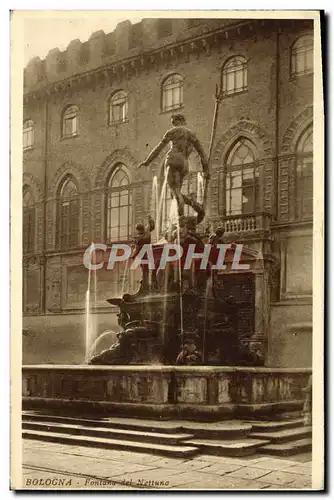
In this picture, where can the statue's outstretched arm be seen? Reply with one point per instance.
(156, 151)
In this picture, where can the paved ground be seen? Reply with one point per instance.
(57, 466)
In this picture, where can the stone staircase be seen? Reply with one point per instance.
(285, 438)
(176, 438)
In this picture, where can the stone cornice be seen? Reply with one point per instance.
(120, 69)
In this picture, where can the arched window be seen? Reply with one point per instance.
(70, 122)
(302, 56)
(172, 93)
(118, 107)
(242, 179)
(234, 75)
(69, 212)
(28, 221)
(119, 205)
(304, 174)
(28, 134)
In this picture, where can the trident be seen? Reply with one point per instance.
(218, 99)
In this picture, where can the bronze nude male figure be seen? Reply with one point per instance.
(182, 143)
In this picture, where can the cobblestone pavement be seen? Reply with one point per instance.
(58, 466)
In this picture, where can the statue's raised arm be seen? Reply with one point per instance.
(157, 150)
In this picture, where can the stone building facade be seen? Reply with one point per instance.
(94, 111)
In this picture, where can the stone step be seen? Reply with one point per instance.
(220, 429)
(184, 451)
(287, 449)
(231, 448)
(108, 433)
(276, 425)
(287, 415)
(116, 423)
(285, 435)
(276, 417)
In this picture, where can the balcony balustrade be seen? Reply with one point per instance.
(241, 223)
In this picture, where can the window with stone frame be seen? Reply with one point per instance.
(118, 107)
(172, 93)
(304, 175)
(28, 221)
(234, 75)
(28, 134)
(119, 205)
(302, 56)
(68, 214)
(70, 124)
(242, 181)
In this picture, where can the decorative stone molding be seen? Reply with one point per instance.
(283, 190)
(53, 274)
(97, 214)
(35, 185)
(108, 60)
(117, 156)
(243, 128)
(37, 191)
(30, 260)
(268, 188)
(74, 169)
(86, 222)
(51, 211)
(294, 130)
(167, 74)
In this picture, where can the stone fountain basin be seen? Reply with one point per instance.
(165, 391)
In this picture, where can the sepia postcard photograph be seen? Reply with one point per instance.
(167, 211)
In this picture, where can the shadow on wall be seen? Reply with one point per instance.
(60, 339)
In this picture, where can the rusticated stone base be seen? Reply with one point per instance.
(199, 392)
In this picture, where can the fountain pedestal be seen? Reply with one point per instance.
(181, 307)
